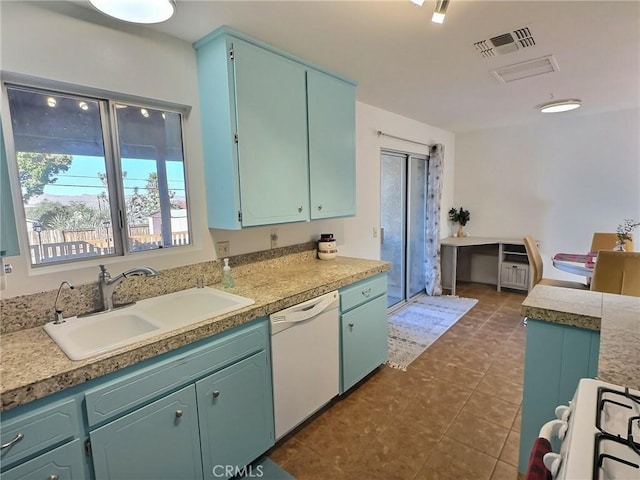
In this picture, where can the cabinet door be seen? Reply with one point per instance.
(364, 340)
(557, 357)
(159, 441)
(235, 408)
(332, 150)
(8, 236)
(62, 463)
(272, 136)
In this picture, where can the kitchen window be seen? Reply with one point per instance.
(98, 177)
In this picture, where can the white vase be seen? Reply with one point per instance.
(619, 247)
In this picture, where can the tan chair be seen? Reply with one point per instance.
(606, 241)
(617, 272)
(535, 269)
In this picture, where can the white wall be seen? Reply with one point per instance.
(132, 61)
(559, 179)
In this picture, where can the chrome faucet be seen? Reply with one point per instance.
(107, 285)
(59, 317)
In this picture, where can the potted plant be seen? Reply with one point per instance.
(624, 233)
(461, 217)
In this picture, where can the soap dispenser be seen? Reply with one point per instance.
(227, 278)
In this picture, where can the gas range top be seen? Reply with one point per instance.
(602, 440)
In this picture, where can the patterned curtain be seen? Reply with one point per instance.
(434, 192)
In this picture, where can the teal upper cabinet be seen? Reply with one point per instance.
(278, 135)
(332, 148)
(272, 136)
(8, 234)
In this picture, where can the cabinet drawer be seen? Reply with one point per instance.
(129, 391)
(38, 430)
(362, 291)
(63, 463)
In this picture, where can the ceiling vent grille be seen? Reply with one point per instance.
(505, 43)
(530, 68)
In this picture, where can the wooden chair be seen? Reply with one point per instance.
(536, 265)
(606, 241)
(617, 272)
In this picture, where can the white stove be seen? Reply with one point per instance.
(599, 433)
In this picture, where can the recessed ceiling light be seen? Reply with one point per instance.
(557, 106)
(137, 11)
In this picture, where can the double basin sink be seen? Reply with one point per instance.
(85, 337)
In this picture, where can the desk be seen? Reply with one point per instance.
(577, 264)
(510, 253)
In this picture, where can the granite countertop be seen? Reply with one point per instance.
(32, 366)
(616, 316)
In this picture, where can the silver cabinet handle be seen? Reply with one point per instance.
(319, 207)
(351, 327)
(367, 292)
(216, 394)
(19, 437)
(300, 209)
(179, 413)
(52, 477)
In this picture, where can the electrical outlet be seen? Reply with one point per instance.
(274, 238)
(222, 249)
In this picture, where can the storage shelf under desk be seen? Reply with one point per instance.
(495, 261)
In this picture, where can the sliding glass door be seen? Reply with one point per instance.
(403, 221)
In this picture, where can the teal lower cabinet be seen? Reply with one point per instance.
(363, 325)
(43, 440)
(62, 463)
(158, 441)
(235, 408)
(557, 357)
(202, 411)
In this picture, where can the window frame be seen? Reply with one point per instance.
(107, 101)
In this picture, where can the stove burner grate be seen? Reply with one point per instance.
(626, 394)
(599, 458)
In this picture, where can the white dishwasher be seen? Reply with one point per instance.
(305, 355)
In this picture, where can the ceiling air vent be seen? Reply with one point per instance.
(505, 43)
(530, 68)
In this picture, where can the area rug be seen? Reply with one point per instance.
(417, 325)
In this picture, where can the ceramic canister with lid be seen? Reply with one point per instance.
(327, 249)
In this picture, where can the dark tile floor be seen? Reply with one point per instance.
(454, 414)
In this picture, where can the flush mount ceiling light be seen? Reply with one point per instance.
(557, 106)
(418, 2)
(137, 11)
(440, 11)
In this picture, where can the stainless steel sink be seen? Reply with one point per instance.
(84, 337)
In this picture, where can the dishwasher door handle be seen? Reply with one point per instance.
(297, 316)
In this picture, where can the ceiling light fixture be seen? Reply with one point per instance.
(440, 11)
(557, 106)
(418, 2)
(137, 11)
